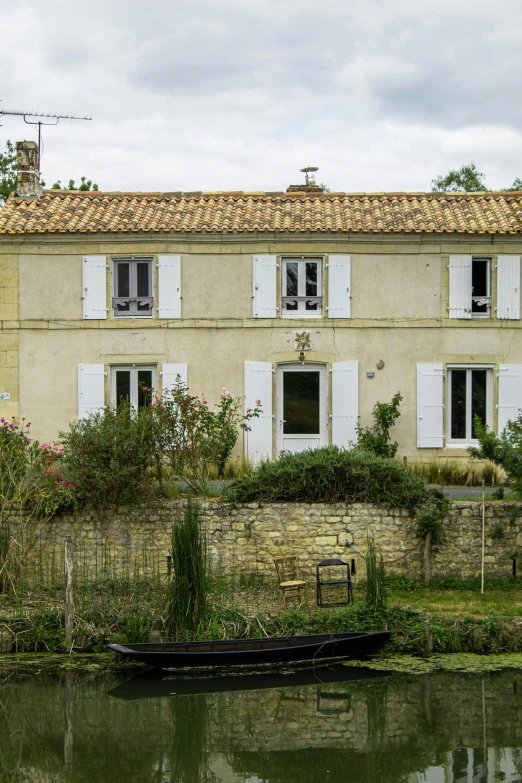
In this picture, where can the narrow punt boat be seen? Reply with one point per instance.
(244, 654)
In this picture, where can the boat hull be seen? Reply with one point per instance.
(244, 654)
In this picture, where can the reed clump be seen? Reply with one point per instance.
(187, 592)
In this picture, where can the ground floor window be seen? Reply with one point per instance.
(132, 383)
(469, 395)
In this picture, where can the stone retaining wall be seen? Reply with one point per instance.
(246, 538)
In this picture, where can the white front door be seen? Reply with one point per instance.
(301, 407)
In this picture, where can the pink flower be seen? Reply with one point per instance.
(248, 410)
(258, 402)
(224, 389)
(205, 401)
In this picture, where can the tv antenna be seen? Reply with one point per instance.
(41, 121)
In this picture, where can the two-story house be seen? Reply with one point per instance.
(318, 304)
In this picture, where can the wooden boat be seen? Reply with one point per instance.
(240, 654)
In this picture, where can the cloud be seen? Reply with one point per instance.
(229, 95)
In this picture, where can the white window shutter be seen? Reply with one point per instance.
(169, 286)
(91, 389)
(264, 286)
(258, 386)
(430, 406)
(508, 287)
(460, 286)
(169, 375)
(339, 291)
(94, 280)
(509, 393)
(345, 403)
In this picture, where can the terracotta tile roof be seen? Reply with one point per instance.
(235, 211)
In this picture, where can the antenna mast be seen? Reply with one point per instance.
(43, 116)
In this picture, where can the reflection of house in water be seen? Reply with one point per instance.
(442, 728)
(471, 765)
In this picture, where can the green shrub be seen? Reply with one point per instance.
(109, 455)
(331, 475)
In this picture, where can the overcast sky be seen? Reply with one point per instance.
(241, 94)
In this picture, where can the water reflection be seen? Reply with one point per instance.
(442, 728)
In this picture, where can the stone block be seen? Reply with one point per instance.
(325, 540)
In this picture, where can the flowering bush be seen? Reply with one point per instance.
(191, 437)
(27, 472)
(29, 479)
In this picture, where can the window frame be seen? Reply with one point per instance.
(489, 287)
(301, 311)
(133, 261)
(133, 369)
(468, 440)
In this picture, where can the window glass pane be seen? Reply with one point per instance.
(311, 282)
(478, 396)
(301, 403)
(458, 404)
(122, 385)
(479, 282)
(144, 387)
(142, 279)
(291, 283)
(123, 280)
(123, 286)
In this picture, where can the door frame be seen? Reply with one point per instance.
(320, 367)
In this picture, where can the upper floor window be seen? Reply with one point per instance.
(481, 287)
(132, 288)
(302, 287)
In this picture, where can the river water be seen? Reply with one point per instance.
(330, 726)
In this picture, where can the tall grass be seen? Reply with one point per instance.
(459, 472)
(187, 593)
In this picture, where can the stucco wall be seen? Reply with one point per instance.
(399, 314)
(246, 538)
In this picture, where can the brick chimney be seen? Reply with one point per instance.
(27, 166)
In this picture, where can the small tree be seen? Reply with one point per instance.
(377, 437)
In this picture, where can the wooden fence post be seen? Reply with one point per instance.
(69, 600)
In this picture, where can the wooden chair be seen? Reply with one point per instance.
(288, 574)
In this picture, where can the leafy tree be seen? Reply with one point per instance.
(7, 172)
(85, 184)
(467, 178)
